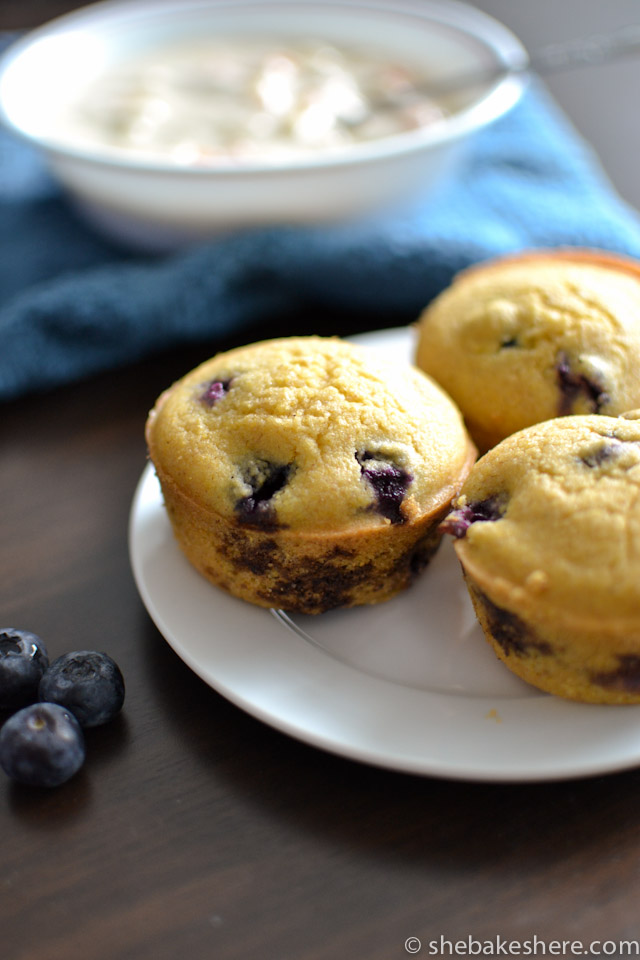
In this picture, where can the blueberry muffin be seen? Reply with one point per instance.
(527, 338)
(307, 474)
(547, 530)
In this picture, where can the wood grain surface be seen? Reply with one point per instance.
(194, 832)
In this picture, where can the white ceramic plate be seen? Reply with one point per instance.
(410, 685)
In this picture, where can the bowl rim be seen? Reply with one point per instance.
(499, 97)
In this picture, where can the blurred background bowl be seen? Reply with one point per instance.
(160, 205)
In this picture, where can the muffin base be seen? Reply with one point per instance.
(589, 665)
(302, 572)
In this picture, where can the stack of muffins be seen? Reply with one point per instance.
(306, 474)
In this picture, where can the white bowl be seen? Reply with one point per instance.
(159, 205)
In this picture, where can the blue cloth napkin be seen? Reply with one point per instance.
(73, 304)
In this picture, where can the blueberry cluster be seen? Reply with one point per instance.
(42, 743)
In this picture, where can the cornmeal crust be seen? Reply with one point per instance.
(542, 334)
(547, 531)
(304, 473)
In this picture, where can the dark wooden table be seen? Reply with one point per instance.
(194, 832)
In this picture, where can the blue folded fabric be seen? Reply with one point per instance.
(73, 304)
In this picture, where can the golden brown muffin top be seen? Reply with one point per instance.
(551, 516)
(527, 338)
(309, 433)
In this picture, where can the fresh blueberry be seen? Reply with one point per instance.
(390, 484)
(87, 683)
(23, 660)
(41, 745)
